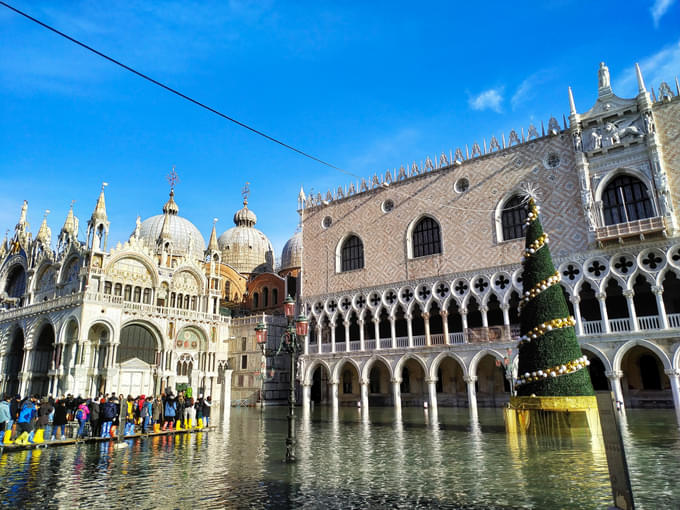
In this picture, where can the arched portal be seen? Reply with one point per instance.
(644, 382)
(413, 387)
(320, 393)
(451, 389)
(14, 361)
(137, 356)
(597, 371)
(349, 390)
(493, 389)
(95, 357)
(379, 392)
(40, 361)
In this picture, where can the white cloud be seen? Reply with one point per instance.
(660, 8)
(526, 89)
(488, 100)
(661, 66)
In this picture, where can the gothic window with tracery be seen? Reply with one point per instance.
(352, 254)
(626, 199)
(426, 238)
(512, 218)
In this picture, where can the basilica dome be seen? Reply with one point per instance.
(291, 256)
(182, 235)
(245, 248)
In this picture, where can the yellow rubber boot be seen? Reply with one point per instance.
(39, 436)
(200, 423)
(156, 427)
(179, 425)
(7, 437)
(22, 439)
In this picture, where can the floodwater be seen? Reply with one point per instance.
(349, 460)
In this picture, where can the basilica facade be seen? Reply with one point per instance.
(412, 279)
(154, 312)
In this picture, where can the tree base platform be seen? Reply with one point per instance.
(552, 416)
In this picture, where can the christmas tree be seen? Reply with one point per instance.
(551, 363)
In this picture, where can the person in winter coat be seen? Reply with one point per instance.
(59, 420)
(181, 404)
(108, 413)
(25, 421)
(129, 407)
(44, 412)
(82, 414)
(146, 413)
(157, 410)
(14, 408)
(5, 416)
(95, 422)
(170, 411)
(207, 404)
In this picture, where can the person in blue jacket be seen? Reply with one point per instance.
(108, 413)
(25, 421)
(170, 411)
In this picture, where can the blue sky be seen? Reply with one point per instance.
(366, 86)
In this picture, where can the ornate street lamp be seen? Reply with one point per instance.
(290, 344)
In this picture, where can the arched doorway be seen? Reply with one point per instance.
(493, 389)
(95, 357)
(137, 355)
(16, 285)
(413, 387)
(597, 372)
(644, 382)
(14, 361)
(379, 393)
(349, 390)
(451, 389)
(40, 361)
(320, 393)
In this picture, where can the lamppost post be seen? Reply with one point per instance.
(290, 344)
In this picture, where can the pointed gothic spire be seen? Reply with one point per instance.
(212, 243)
(640, 81)
(44, 234)
(171, 206)
(70, 227)
(572, 105)
(99, 213)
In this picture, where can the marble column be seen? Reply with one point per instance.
(332, 326)
(362, 339)
(347, 339)
(376, 330)
(426, 322)
(393, 331)
(306, 395)
(334, 394)
(674, 377)
(484, 310)
(396, 392)
(409, 330)
(463, 318)
(432, 393)
(445, 326)
(319, 338)
(628, 294)
(470, 380)
(575, 300)
(505, 308)
(364, 394)
(614, 377)
(306, 344)
(601, 299)
(663, 317)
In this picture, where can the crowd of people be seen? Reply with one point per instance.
(34, 419)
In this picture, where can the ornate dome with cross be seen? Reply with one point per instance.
(244, 247)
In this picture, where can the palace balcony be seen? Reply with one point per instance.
(636, 228)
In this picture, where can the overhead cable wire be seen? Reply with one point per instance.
(219, 113)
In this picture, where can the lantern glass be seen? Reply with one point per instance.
(261, 334)
(289, 307)
(301, 326)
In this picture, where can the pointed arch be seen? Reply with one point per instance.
(424, 237)
(474, 362)
(312, 368)
(436, 362)
(368, 365)
(622, 350)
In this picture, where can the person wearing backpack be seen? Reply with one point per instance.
(82, 413)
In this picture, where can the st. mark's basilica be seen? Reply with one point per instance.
(410, 280)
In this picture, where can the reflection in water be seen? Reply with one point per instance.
(377, 458)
